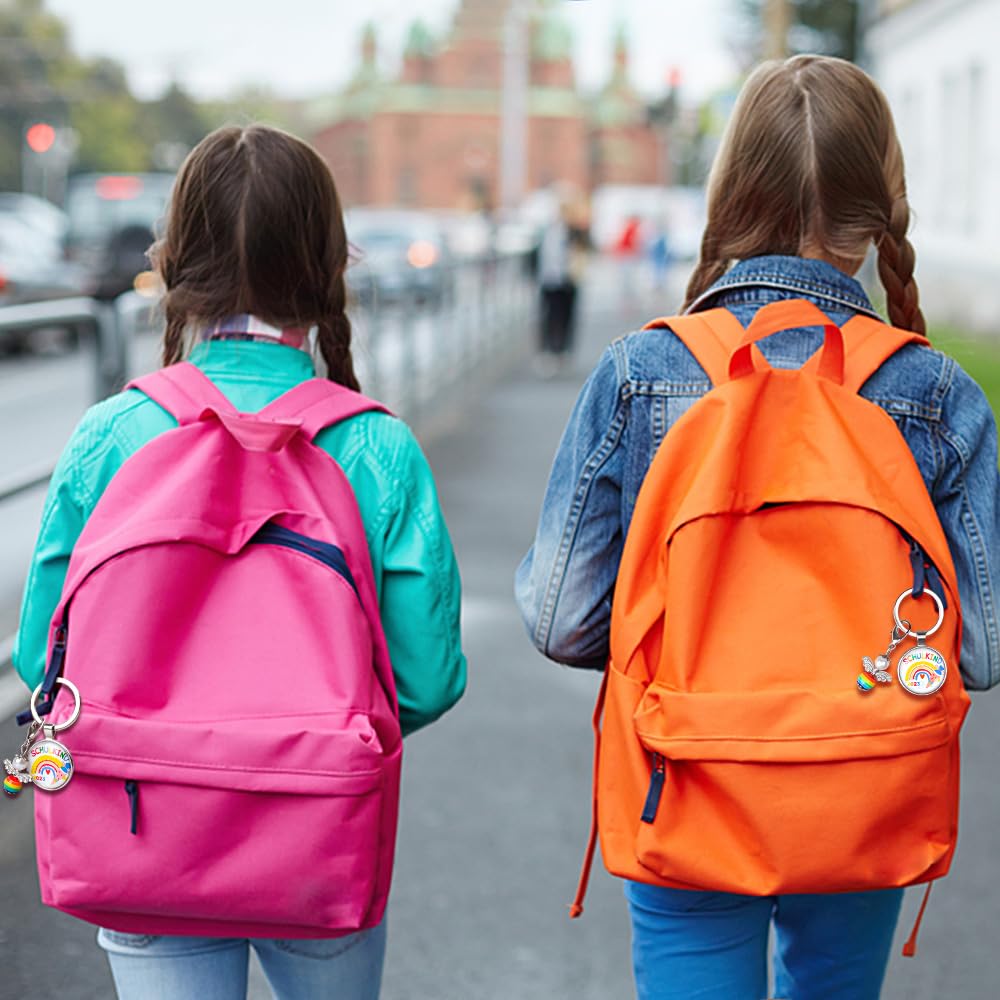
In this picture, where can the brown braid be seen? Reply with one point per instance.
(896, 261)
(334, 341)
(173, 337)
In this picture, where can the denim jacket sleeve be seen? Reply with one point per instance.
(565, 583)
(966, 494)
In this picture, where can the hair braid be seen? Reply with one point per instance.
(896, 261)
(334, 339)
(173, 336)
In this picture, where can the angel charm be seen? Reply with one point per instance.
(17, 776)
(876, 670)
(18, 773)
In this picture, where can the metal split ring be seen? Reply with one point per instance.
(62, 725)
(919, 636)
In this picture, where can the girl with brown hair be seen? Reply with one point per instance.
(809, 177)
(252, 261)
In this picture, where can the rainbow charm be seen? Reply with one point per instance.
(12, 785)
(873, 672)
(50, 765)
(922, 670)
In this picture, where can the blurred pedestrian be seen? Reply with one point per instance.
(660, 254)
(252, 262)
(745, 780)
(561, 264)
(628, 250)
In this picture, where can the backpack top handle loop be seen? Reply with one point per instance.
(184, 391)
(788, 314)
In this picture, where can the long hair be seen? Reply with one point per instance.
(810, 161)
(255, 226)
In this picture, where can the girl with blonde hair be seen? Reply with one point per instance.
(808, 179)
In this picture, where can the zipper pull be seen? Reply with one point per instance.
(656, 780)
(132, 791)
(917, 559)
(52, 672)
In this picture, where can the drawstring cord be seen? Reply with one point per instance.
(576, 907)
(910, 948)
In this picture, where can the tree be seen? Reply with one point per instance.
(106, 117)
(829, 27)
(174, 118)
(31, 43)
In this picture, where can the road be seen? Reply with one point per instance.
(496, 795)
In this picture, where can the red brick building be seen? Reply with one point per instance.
(432, 136)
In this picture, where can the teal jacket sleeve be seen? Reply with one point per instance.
(420, 594)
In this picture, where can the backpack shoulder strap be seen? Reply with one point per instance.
(870, 342)
(711, 336)
(184, 391)
(318, 403)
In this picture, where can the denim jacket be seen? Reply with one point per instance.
(645, 381)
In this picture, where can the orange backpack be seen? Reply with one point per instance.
(752, 742)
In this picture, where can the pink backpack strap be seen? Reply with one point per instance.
(183, 391)
(318, 403)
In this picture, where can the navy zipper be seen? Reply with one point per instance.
(924, 571)
(325, 552)
(132, 791)
(52, 673)
(656, 780)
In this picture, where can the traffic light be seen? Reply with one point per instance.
(40, 137)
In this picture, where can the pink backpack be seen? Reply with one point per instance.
(237, 756)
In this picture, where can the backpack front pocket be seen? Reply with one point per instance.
(793, 791)
(278, 821)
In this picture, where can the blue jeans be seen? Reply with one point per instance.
(689, 945)
(179, 968)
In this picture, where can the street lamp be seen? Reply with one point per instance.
(513, 106)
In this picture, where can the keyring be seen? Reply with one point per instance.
(919, 636)
(62, 725)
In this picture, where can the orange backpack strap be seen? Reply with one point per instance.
(869, 342)
(711, 336)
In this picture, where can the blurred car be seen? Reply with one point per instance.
(45, 219)
(112, 223)
(32, 269)
(397, 255)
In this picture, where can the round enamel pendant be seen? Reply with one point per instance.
(50, 765)
(922, 670)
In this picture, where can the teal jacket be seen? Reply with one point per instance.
(415, 570)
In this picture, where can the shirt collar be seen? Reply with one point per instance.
(804, 275)
(247, 327)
